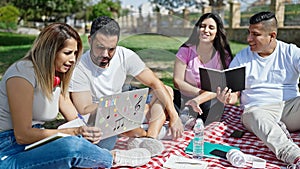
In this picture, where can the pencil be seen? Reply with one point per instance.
(80, 116)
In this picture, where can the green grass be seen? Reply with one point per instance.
(153, 49)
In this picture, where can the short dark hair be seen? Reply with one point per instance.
(262, 16)
(106, 26)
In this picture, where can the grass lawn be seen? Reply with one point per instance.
(157, 51)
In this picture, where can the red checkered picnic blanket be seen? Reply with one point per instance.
(218, 132)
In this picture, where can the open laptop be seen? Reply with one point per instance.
(116, 114)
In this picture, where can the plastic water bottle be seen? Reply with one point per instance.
(198, 142)
(184, 115)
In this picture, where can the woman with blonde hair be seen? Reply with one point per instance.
(33, 91)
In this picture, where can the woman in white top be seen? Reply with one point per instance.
(33, 91)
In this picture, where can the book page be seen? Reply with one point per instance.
(46, 140)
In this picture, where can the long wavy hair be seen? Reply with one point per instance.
(44, 51)
(220, 43)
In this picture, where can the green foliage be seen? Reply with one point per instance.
(291, 14)
(51, 9)
(105, 8)
(9, 17)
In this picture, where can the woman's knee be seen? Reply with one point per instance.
(73, 144)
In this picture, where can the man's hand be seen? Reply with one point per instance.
(225, 96)
(176, 128)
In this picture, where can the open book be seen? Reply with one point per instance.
(46, 140)
(233, 78)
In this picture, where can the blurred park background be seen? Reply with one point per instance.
(155, 29)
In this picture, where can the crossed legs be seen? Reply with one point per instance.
(263, 122)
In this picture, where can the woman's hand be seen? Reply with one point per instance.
(194, 105)
(93, 134)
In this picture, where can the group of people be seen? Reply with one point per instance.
(56, 76)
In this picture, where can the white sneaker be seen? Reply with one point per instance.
(155, 146)
(162, 133)
(165, 134)
(132, 158)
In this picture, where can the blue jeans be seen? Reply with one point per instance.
(63, 153)
(108, 143)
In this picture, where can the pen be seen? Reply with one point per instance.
(189, 162)
(80, 116)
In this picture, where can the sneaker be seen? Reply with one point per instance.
(132, 158)
(155, 146)
(294, 166)
(162, 133)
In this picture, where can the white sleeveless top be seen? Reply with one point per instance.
(42, 108)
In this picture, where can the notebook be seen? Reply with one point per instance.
(46, 140)
(209, 147)
(116, 113)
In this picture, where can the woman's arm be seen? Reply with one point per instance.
(179, 80)
(20, 95)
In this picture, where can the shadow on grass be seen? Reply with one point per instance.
(9, 55)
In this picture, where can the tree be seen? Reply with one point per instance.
(9, 17)
(175, 4)
(52, 10)
(106, 8)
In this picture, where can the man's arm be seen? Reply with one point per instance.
(148, 78)
(83, 102)
(67, 108)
